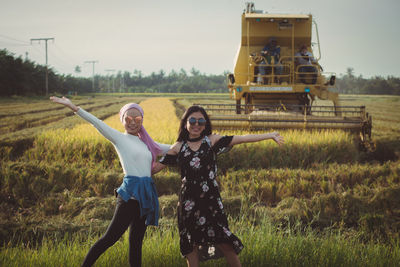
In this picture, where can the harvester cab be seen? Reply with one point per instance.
(277, 77)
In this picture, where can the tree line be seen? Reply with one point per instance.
(23, 77)
(378, 85)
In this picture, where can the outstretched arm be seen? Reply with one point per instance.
(168, 159)
(249, 138)
(64, 101)
(164, 148)
(108, 132)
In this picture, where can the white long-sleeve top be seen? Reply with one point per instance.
(135, 157)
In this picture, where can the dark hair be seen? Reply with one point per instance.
(303, 46)
(183, 133)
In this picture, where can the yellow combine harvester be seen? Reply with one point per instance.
(278, 84)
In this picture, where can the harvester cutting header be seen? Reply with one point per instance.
(278, 77)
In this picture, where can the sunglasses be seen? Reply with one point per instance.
(201, 121)
(130, 119)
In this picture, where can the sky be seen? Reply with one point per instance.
(154, 35)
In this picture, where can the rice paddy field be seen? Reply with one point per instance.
(316, 201)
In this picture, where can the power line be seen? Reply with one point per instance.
(60, 59)
(65, 57)
(12, 44)
(47, 70)
(36, 52)
(13, 39)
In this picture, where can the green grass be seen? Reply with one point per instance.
(265, 245)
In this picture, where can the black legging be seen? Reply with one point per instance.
(126, 214)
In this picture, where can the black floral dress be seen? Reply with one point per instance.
(201, 217)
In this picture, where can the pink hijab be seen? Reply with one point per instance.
(143, 135)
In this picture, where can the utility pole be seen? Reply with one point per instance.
(47, 70)
(92, 62)
(109, 86)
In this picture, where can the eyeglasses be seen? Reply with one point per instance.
(201, 121)
(130, 119)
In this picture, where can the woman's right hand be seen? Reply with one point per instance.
(157, 167)
(277, 138)
(64, 101)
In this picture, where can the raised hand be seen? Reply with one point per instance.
(64, 101)
(277, 138)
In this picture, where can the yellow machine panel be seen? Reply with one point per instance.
(283, 82)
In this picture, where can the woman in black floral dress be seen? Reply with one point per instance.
(203, 226)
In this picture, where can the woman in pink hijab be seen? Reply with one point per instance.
(137, 200)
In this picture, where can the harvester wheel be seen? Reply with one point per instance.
(238, 109)
(248, 102)
(305, 103)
